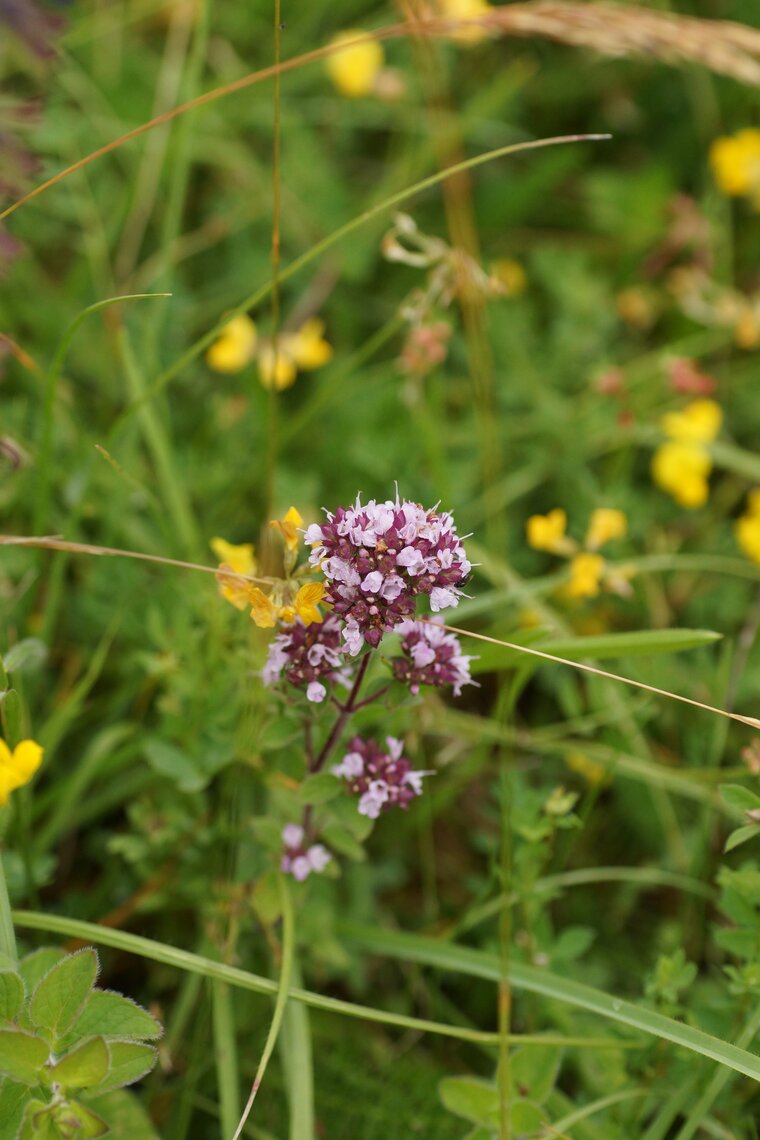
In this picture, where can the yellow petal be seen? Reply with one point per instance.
(288, 527)
(262, 610)
(232, 589)
(699, 422)
(682, 469)
(547, 532)
(309, 348)
(5, 755)
(235, 347)
(735, 162)
(354, 69)
(240, 558)
(747, 531)
(511, 275)
(276, 369)
(26, 759)
(605, 524)
(306, 601)
(586, 572)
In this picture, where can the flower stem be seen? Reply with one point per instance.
(7, 933)
(345, 712)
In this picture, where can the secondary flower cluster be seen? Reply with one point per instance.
(432, 656)
(298, 859)
(682, 465)
(297, 350)
(379, 558)
(382, 780)
(307, 655)
(589, 573)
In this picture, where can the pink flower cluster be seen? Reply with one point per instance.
(382, 780)
(308, 655)
(379, 558)
(432, 656)
(297, 859)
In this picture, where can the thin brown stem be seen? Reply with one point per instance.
(349, 707)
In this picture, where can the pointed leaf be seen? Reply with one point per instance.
(37, 1123)
(533, 1071)
(474, 1099)
(739, 798)
(25, 655)
(13, 1100)
(109, 1014)
(22, 1056)
(741, 835)
(129, 1062)
(77, 1121)
(60, 995)
(11, 995)
(84, 1066)
(35, 965)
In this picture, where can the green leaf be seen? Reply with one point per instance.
(61, 994)
(479, 964)
(526, 1118)
(126, 1117)
(76, 1121)
(37, 1122)
(533, 1072)
(25, 654)
(471, 1097)
(108, 1014)
(343, 841)
(84, 1066)
(739, 798)
(177, 766)
(13, 1100)
(22, 1056)
(319, 789)
(741, 835)
(129, 1062)
(34, 966)
(11, 995)
(637, 643)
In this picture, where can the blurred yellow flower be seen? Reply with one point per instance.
(586, 573)
(747, 327)
(288, 527)
(735, 162)
(17, 767)
(234, 560)
(304, 350)
(306, 601)
(465, 10)
(263, 611)
(605, 524)
(747, 527)
(682, 469)
(699, 422)
(547, 532)
(354, 69)
(236, 346)
(510, 275)
(591, 771)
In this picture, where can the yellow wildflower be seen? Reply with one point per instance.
(547, 532)
(682, 469)
(699, 422)
(586, 572)
(17, 767)
(236, 346)
(354, 69)
(735, 162)
(304, 350)
(306, 601)
(747, 527)
(234, 560)
(510, 275)
(605, 524)
(465, 10)
(288, 527)
(263, 610)
(591, 771)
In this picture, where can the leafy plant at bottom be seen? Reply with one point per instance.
(61, 1040)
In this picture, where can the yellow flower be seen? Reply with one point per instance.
(699, 422)
(263, 611)
(747, 328)
(354, 69)
(305, 349)
(287, 527)
(753, 501)
(306, 601)
(547, 532)
(236, 346)
(586, 572)
(605, 524)
(747, 531)
(682, 470)
(465, 10)
(735, 162)
(510, 275)
(591, 771)
(17, 767)
(234, 560)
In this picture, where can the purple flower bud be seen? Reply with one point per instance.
(379, 558)
(381, 780)
(300, 861)
(432, 656)
(308, 655)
